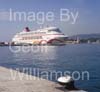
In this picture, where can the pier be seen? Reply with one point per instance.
(7, 84)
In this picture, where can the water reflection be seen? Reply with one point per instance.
(34, 55)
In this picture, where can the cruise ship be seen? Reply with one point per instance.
(42, 36)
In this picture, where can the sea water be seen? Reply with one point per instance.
(72, 58)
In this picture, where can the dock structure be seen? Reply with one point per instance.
(7, 84)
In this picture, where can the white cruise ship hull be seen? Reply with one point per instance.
(45, 36)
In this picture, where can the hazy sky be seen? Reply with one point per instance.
(87, 20)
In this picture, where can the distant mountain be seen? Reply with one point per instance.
(85, 36)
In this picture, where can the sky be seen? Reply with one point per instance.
(87, 20)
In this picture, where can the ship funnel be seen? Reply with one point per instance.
(27, 29)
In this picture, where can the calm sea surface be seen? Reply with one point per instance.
(76, 57)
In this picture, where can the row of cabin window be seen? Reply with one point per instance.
(33, 33)
(34, 37)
